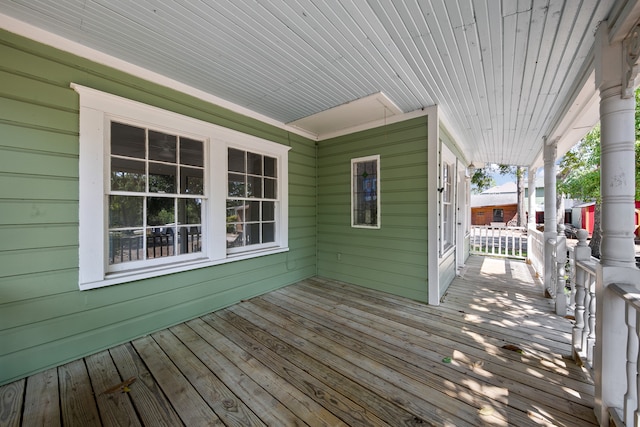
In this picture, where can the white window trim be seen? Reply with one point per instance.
(97, 109)
(379, 192)
(447, 157)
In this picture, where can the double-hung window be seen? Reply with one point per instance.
(155, 198)
(447, 213)
(251, 200)
(161, 192)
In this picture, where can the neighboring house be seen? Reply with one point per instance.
(583, 216)
(496, 205)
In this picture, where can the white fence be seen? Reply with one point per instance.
(499, 241)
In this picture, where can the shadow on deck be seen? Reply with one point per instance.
(321, 352)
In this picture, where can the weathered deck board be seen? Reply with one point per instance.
(322, 352)
(41, 406)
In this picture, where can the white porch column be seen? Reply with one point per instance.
(531, 175)
(550, 211)
(617, 187)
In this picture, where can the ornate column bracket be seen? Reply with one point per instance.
(630, 65)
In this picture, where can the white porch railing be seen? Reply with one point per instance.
(626, 410)
(535, 252)
(583, 280)
(629, 411)
(575, 268)
(499, 241)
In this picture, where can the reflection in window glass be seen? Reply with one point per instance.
(127, 141)
(128, 175)
(162, 147)
(163, 219)
(251, 199)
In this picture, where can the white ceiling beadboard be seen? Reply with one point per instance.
(502, 71)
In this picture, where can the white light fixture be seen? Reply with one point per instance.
(471, 168)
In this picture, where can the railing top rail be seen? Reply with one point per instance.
(507, 227)
(627, 292)
(589, 265)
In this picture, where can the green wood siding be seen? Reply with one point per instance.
(393, 258)
(44, 319)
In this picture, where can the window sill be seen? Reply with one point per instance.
(147, 273)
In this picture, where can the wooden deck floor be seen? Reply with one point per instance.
(325, 353)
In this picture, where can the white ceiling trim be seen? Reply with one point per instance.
(42, 36)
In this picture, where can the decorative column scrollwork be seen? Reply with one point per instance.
(631, 67)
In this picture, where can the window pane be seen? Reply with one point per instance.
(190, 240)
(270, 188)
(127, 175)
(125, 246)
(269, 166)
(252, 212)
(162, 178)
(161, 212)
(268, 232)
(162, 147)
(160, 243)
(254, 186)
(236, 185)
(125, 211)
(268, 211)
(235, 223)
(236, 210)
(234, 235)
(127, 140)
(189, 211)
(365, 193)
(191, 152)
(252, 234)
(191, 181)
(236, 160)
(254, 164)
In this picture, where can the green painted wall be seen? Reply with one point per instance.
(44, 319)
(393, 258)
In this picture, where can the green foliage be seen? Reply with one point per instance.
(516, 171)
(579, 171)
(481, 180)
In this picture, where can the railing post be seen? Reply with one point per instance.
(561, 263)
(550, 270)
(581, 253)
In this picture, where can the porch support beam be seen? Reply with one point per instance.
(550, 212)
(617, 188)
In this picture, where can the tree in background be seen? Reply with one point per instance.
(482, 180)
(579, 178)
(579, 174)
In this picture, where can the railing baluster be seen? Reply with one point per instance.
(630, 397)
(578, 329)
(591, 337)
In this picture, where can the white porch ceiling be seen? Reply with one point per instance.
(502, 71)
